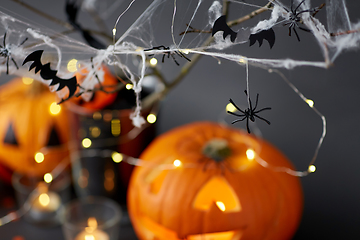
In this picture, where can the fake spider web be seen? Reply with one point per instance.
(180, 30)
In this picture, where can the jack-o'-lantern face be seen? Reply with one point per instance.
(229, 198)
(34, 130)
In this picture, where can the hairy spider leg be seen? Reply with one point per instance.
(297, 6)
(182, 55)
(4, 39)
(23, 41)
(168, 53)
(297, 35)
(232, 102)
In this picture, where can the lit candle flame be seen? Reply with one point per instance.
(44, 199)
(220, 205)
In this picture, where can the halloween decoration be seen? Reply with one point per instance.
(5, 51)
(72, 9)
(221, 25)
(34, 130)
(99, 99)
(268, 35)
(203, 181)
(294, 19)
(48, 74)
(169, 53)
(249, 113)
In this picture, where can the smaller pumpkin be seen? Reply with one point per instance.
(98, 99)
(28, 125)
(218, 191)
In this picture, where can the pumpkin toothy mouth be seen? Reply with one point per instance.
(153, 230)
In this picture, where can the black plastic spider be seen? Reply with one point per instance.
(168, 53)
(294, 18)
(249, 113)
(6, 53)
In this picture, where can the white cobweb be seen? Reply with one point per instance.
(181, 29)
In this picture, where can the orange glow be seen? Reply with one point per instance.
(229, 235)
(220, 205)
(92, 223)
(217, 191)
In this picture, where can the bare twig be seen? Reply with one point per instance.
(60, 22)
(344, 33)
(250, 15)
(195, 58)
(45, 15)
(194, 30)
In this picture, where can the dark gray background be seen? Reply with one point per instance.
(332, 193)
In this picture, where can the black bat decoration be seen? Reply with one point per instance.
(47, 74)
(221, 25)
(71, 10)
(268, 35)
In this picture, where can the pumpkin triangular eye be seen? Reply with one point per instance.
(54, 139)
(10, 137)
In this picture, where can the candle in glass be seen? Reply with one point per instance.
(44, 202)
(92, 232)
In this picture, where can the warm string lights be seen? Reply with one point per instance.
(251, 153)
(93, 133)
(118, 158)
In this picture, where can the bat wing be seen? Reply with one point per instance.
(34, 57)
(268, 35)
(70, 83)
(47, 73)
(221, 25)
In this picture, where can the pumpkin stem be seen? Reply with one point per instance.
(217, 149)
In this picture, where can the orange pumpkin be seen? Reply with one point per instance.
(218, 191)
(27, 126)
(99, 99)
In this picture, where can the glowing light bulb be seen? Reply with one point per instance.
(27, 80)
(72, 65)
(117, 157)
(48, 177)
(230, 107)
(86, 142)
(129, 86)
(39, 157)
(44, 199)
(177, 163)
(220, 205)
(97, 115)
(185, 51)
(250, 154)
(153, 62)
(54, 108)
(114, 31)
(310, 102)
(312, 168)
(115, 127)
(95, 131)
(242, 60)
(151, 118)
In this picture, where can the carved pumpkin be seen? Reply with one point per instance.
(28, 126)
(218, 192)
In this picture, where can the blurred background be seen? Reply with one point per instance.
(332, 193)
